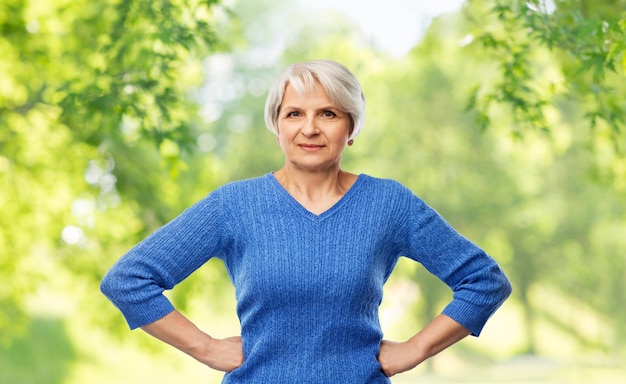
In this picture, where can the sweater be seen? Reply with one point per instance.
(308, 287)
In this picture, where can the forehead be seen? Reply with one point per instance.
(306, 93)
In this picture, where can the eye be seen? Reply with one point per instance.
(293, 114)
(329, 114)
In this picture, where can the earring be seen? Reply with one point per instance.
(350, 142)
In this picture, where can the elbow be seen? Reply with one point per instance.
(108, 287)
(509, 288)
(506, 288)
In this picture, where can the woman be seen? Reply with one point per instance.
(308, 248)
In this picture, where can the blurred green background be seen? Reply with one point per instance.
(506, 116)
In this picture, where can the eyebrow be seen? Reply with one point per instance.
(333, 107)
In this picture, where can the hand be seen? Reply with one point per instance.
(438, 335)
(396, 357)
(223, 354)
(176, 330)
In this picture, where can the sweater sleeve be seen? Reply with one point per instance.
(136, 282)
(478, 283)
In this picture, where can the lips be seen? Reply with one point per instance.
(310, 146)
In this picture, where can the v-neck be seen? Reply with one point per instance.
(298, 207)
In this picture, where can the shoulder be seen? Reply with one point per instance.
(241, 188)
(389, 195)
(242, 194)
(389, 188)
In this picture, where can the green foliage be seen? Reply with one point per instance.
(96, 117)
(515, 85)
(45, 343)
(587, 37)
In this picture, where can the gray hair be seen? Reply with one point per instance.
(342, 87)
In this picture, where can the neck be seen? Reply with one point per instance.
(312, 185)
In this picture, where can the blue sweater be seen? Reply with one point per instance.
(308, 286)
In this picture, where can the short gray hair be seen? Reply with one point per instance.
(342, 87)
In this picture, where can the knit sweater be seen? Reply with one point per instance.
(308, 287)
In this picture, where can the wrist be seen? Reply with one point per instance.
(417, 350)
(200, 347)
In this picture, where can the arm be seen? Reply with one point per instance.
(438, 335)
(179, 332)
(135, 284)
(478, 284)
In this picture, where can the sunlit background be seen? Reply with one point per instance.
(505, 116)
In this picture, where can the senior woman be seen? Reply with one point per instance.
(308, 248)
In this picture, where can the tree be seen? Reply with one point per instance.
(588, 41)
(93, 96)
(560, 64)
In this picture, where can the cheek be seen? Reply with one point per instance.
(282, 140)
(342, 136)
(286, 132)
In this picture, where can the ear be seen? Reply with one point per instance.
(351, 126)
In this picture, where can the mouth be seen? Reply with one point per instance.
(310, 147)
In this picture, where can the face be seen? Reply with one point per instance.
(312, 131)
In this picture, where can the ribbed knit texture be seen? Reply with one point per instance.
(308, 286)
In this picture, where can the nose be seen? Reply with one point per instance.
(310, 127)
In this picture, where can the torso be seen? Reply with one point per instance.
(308, 286)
